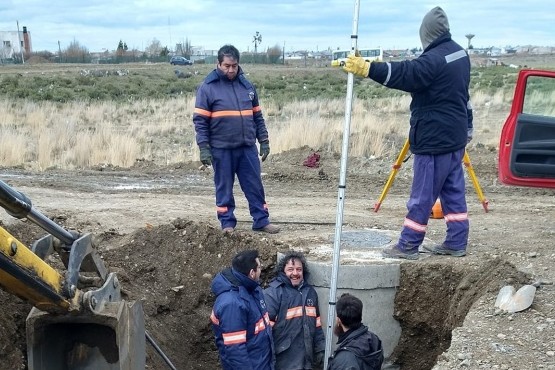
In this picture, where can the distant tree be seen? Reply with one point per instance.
(274, 53)
(122, 48)
(75, 53)
(164, 52)
(188, 49)
(154, 49)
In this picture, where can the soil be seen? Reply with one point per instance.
(155, 226)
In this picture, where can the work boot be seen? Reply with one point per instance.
(270, 229)
(393, 251)
(228, 230)
(444, 251)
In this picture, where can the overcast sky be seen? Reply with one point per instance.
(296, 24)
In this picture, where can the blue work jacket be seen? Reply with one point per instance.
(227, 113)
(438, 81)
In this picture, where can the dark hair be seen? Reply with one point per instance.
(228, 51)
(349, 310)
(245, 261)
(292, 255)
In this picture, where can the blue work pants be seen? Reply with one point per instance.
(244, 163)
(436, 176)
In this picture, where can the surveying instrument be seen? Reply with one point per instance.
(402, 157)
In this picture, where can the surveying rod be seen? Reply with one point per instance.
(341, 194)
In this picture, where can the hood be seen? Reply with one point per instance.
(224, 282)
(229, 279)
(434, 24)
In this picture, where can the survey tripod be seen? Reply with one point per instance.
(402, 157)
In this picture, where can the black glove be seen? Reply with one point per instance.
(319, 359)
(206, 156)
(264, 149)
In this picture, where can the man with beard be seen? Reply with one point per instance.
(293, 308)
(357, 347)
(239, 317)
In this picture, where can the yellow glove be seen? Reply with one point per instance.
(357, 66)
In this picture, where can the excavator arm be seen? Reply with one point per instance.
(79, 320)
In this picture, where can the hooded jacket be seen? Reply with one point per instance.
(438, 80)
(240, 323)
(227, 114)
(357, 349)
(295, 314)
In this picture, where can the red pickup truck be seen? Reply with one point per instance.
(527, 146)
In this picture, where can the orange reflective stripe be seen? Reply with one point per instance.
(456, 217)
(318, 322)
(214, 319)
(256, 109)
(272, 323)
(414, 225)
(221, 209)
(203, 112)
(224, 113)
(259, 326)
(237, 337)
(294, 312)
(311, 311)
(267, 318)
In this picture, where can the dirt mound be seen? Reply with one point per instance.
(169, 268)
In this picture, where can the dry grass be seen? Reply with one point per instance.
(79, 135)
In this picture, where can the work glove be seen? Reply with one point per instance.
(469, 135)
(357, 66)
(206, 156)
(264, 149)
(319, 359)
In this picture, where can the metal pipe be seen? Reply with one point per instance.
(159, 350)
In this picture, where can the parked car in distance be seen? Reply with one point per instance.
(177, 60)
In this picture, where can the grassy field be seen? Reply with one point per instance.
(78, 116)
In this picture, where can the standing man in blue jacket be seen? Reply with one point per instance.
(440, 127)
(294, 312)
(228, 122)
(239, 317)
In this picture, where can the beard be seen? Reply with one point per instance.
(338, 330)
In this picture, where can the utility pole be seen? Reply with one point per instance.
(60, 52)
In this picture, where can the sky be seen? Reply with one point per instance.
(313, 25)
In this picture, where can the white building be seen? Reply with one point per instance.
(14, 42)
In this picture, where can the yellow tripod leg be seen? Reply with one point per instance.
(468, 165)
(392, 174)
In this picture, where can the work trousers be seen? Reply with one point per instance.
(244, 163)
(436, 176)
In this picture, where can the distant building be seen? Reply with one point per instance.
(14, 42)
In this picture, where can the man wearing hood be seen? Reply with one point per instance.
(440, 127)
(239, 317)
(294, 312)
(228, 122)
(357, 347)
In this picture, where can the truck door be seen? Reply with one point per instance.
(527, 145)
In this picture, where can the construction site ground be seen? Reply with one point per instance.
(156, 227)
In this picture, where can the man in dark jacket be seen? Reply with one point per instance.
(440, 127)
(357, 347)
(295, 315)
(239, 317)
(228, 122)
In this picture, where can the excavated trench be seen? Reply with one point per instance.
(412, 305)
(169, 268)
